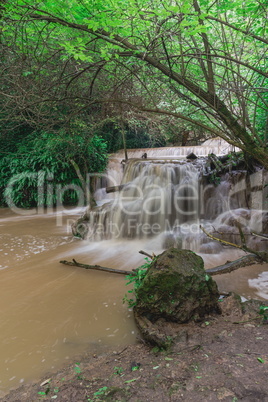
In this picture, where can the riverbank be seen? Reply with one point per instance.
(224, 358)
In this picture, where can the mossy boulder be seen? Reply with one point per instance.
(177, 288)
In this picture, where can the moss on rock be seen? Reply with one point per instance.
(177, 288)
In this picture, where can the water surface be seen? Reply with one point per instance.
(51, 313)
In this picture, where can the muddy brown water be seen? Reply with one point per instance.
(50, 313)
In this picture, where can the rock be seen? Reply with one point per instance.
(176, 288)
(232, 305)
(191, 156)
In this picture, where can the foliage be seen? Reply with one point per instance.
(264, 312)
(138, 134)
(214, 178)
(142, 139)
(101, 393)
(39, 172)
(118, 370)
(202, 62)
(136, 280)
(78, 371)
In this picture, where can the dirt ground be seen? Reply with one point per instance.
(225, 358)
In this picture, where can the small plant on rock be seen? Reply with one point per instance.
(136, 280)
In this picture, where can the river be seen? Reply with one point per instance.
(52, 313)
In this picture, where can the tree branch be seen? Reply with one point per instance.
(260, 255)
(230, 266)
(238, 29)
(74, 263)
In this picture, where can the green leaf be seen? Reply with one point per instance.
(129, 381)
(26, 73)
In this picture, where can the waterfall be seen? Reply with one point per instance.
(166, 197)
(156, 197)
(215, 145)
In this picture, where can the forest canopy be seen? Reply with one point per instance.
(145, 68)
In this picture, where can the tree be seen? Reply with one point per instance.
(206, 55)
(49, 169)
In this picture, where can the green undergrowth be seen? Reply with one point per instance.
(136, 280)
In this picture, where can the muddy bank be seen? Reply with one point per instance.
(224, 358)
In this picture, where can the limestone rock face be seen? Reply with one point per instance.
(177, 288)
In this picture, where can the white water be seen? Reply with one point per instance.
(168, 199)
(50, 313)
(215, 145)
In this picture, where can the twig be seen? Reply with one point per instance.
(242, 322)
(263, 236)
(220, 240)
(148, 255)
(243, 247)
(122, 351)
(97, 268)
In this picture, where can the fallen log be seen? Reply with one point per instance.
(217, 165)
(113, 189)
(215, 162)
(230, 266)
(74, 263)
(262, 255)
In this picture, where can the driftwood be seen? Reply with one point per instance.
(215, 162)
(113, 189)
(230, 266)
(263, 236)
(216, 165)
(120, 187)
(97, 268)
(148, 255)
(261, 255)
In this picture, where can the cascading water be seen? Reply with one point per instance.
(155, 197)
(215, 145)
(166, 197)
(51, 313)
(115, 171)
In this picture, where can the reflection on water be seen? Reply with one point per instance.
(50, 312)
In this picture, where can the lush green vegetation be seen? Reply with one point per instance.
(134, 73)
(135, 280)
(39, 171)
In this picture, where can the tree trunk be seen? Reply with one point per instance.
(260, 154)
(89, 198)
(239, 136)
(124, 140)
